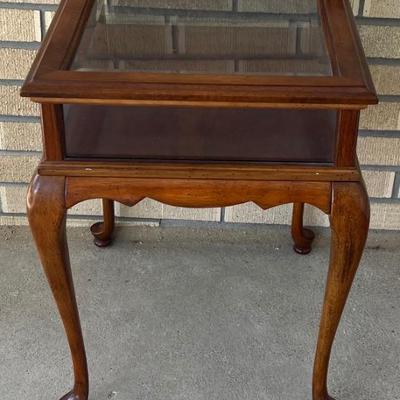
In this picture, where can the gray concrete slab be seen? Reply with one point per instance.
(199, 313)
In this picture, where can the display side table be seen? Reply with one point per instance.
(243, 101)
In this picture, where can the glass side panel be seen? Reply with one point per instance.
(200, 134)
(270, 37)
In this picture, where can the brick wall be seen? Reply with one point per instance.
(22, 26)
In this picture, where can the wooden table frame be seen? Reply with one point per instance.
(337, 190)
(345, 202)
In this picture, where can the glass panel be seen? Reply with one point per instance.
(269, 37)
(200, 134)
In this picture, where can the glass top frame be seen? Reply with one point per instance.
(189, 37)
(349, 86)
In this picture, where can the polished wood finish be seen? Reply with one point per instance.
(226, 171)
(349, 224)
(335, 187)
(53, 132)
(199, 104)
(303, 237)
(348, 206)
(50, 77)
(102, 231)
(47, 216)
(197, 193)
(346, 140)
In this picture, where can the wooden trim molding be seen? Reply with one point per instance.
(350, 85)
(199, 193)
(199, 171)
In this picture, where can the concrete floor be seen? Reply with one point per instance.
(200, 313)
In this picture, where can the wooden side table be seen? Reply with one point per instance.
(201, 108)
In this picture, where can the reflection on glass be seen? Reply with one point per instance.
(270, 37)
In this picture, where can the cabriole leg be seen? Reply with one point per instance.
(302, 237)
(349, 224)
(102, 231)
(47, 217)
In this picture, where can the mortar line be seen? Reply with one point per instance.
(189, 223)
(17, 184)
(389, 98)
(361, 8)
(377, 21)
(391, 168)
(11, 82)
(383, 61)
(42, 24)
(19, 153)
(222, 215)
(11, 44)
(235, 6)
(396, 187)
(19, 118)
(29, 6)
(375, 133)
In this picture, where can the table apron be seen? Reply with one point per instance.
(199, 193)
